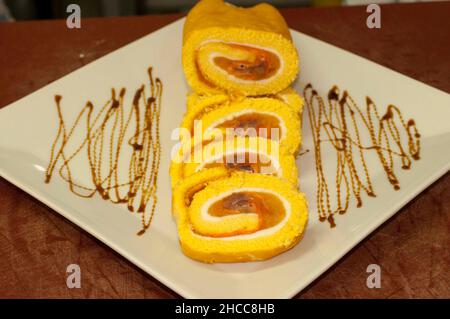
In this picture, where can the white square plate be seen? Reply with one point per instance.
(28, 127)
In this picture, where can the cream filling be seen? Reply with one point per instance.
(260, 233)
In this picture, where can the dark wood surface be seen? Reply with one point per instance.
(37, 244)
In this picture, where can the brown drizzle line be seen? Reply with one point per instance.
(340, 119)
(103, 142)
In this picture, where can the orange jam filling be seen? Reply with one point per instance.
(191, 193)
(263, 65)
(261, 123)
(251, 163)
(268, 207)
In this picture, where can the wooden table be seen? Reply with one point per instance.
(37, 244)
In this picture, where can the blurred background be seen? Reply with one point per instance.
(11, 10)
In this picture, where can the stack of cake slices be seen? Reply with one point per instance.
(234, 177)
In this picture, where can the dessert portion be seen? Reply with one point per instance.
(242, 153)
(208, 101)
(247, 51)
(268, 117)
(238, 216)
(234, 177)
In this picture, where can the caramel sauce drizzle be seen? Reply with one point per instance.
(105, 144)
(341, 123)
